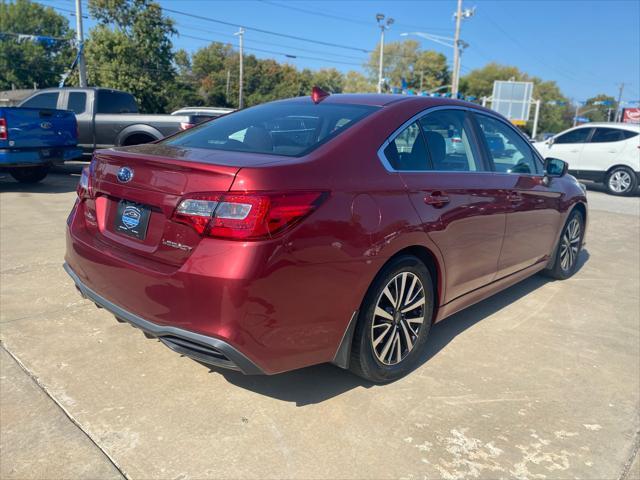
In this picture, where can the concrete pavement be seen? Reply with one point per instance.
(541, 381)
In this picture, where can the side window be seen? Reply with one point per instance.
(629, 134)
(509, 152)
(116, 102)
(43, 100)
(579, 135)
(606, 135)
(448, 141)
(77, 102)
(407, 151)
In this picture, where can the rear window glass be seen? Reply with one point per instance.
(116, 102)
(288, 129)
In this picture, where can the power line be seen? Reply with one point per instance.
(189, 27)
(268, 32)
(288, 55)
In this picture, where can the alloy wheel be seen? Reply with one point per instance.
(398, 317)
(620, 181)
(570, 246)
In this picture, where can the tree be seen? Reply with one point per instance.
(405, 60)
(131, 50)
(329, 79)
(25, 62)
(600, 107)
(355, 82)
(479, 82)
(554, 108)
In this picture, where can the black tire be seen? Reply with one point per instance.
(30, 174)
(559, 269)
(365, 357)
(621, 181)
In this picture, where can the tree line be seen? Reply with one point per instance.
(130, 49)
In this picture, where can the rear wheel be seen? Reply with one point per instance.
(569, 247)
(30, 174)
(394, 321)
(621, 181)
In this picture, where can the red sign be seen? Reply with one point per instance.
(631, 115)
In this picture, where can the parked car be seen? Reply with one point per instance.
(203, 114)
(108, 117)
(607, 153)
(265, 257)
(32, 140)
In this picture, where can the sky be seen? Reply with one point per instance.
(588, 47)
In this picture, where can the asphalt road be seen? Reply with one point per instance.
(542, 381)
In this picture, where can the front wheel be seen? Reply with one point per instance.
(621, 181)
(30, 174)
(568, 249)
(393, 322)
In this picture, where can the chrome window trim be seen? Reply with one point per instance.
(387, 165)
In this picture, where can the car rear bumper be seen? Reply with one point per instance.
(38, 156)
(209, 350)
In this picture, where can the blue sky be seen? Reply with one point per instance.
(587, 47)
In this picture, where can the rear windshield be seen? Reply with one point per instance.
(288, 129)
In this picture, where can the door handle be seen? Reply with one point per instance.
(436, 199)
(514, 197)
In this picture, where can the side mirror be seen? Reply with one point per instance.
(554, 167)
(550, 141)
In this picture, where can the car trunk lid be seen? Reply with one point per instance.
(136, 191)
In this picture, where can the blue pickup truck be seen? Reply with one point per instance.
(34, 139)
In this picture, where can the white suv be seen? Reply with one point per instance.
(608, 153)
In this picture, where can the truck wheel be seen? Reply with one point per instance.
(30, 174)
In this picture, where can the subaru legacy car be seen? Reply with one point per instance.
(330, 228)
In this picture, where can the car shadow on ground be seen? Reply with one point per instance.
(322, 382)
(61, 179)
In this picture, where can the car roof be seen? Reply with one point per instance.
(383, 100)
(81, 88)
(623, 125)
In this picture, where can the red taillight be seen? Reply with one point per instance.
(84, 185)
(3, 129)
(246, 216)
(186, 125)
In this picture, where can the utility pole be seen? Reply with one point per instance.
(421, 79)
(458, 45)
(82, 68)
(383, 26)
(240, 34)
(619, 106)
(228, 82)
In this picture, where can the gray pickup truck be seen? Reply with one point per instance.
(108, 117)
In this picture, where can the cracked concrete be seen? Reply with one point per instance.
(540, 382)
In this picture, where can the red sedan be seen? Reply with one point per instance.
(325, 229)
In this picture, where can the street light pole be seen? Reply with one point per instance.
(381, 60)
(456, 52)
(383, 26)
(82, 68)
(240, 34)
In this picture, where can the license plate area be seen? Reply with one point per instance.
(132, 219)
